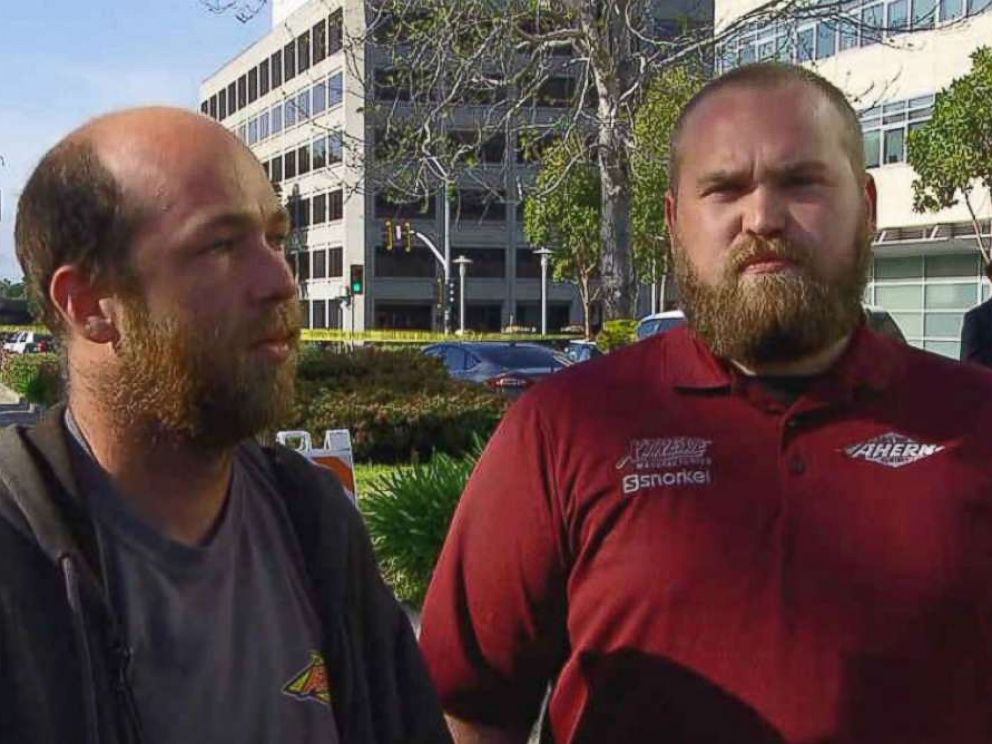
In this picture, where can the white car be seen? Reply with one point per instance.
(23, 342)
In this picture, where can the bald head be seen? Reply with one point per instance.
(95, 189)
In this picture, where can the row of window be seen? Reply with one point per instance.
(311, 47)
(887, 127)
(318, 263)
(317, 209)
(469, 204)
(391, 85)
(319, 153)
(296, 109)
(868, 22)
(487, 263)
(321, 313)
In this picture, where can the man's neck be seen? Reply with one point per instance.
(807, 366)
(178, 488)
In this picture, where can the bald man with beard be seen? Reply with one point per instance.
(163, 578)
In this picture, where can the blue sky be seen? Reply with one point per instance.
(64, 61)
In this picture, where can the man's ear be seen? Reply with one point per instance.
(671, 211)
(871, 201)
(86, 308)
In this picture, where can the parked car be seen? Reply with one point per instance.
(582, 351)
(25, 342)
(509, 367)
(878, 319)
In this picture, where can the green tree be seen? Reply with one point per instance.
(952, 153)
(563, 215)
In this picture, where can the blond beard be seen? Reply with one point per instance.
(197, 387)
(773, 318)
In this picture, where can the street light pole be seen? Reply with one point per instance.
(544, 253)
(462, 269)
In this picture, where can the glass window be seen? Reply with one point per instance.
(766, 50)
(263, 125)
(951, 9)
(872, 22)
(334, 147)
(911, 324)
(276, 118)
(902, 267)
(243, 132)
(318, 36)
(335, 90)
(303, 105)
(335, 205)
(951, 296)
(924, 12)
(873, 148)
(289, 164)
(304, 309)
(898, 15)
(289, 113)
(826, 40)
(319, 98)
(276, 61)
(848, 33)
(963, 265)
(805, 45)
(253, 131)
(319, 312)
(899, 297)
(320, 209)
(263, 77)
(303, 52)
(303, 159)
(253, 85)
(289, 61)
(895, 141)
(222, 103)
(242, 91)
(335, 262)
(277, 169)
(212, 107)
(232, 98)
(334, 33)
(747, 53)
(950, 349)
(320, 264)
(978, 6)
(319, 153)
(943, 324)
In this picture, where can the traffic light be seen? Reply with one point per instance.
(451, 292)
(390, 243)
(408, 236)
(357, 279)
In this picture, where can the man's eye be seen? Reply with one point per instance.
(278, 240)
(223, 245)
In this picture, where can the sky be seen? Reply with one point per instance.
(65, 61)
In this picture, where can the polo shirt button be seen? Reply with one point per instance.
(797, 466)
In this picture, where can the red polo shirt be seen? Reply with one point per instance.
(690, 560)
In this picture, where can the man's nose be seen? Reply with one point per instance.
(765, 212)
(272, 279)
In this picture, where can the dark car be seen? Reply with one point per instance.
(509, 367)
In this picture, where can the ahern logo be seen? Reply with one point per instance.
(892, 450)
(639, 481)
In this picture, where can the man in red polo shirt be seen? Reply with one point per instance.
(771, 526)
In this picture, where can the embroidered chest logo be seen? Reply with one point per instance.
(311, 682)
(669, 461)
(892, 450)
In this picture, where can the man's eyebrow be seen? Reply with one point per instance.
(727, 176)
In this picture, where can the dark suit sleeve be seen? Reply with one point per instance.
(975, 346)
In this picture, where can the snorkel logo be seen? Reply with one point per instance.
(682, 461)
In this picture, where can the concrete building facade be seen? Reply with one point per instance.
(890, 57)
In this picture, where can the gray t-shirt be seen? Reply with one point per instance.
(224, 639)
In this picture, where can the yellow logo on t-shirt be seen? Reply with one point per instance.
(310, 683)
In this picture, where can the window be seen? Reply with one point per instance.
(289, 61)
(402, 264)
(978, 6)
(334, 35)
(263, 77)
(304, 305)
(243, 132)
(303, 105)
(847, 34)
(805, 42)
(335, 262)
(826, 40)
(267, 167)
(334, 147)
(289, 164)
(872, 21)
(303, 262)
(303, 52)
(924, 12)
(873, 144)
(289, 113)
(747, 52)
(951, 9)
(303, 159)
(319, 310)
(475, 204)
(895, 140)
(319, 98)
(335, 205)
(277, 169)
(898, 16)
(487, 263)
(303, 212)
(318, 35)
(263, 125)
(253, 85)
(320, 264)
(205, 107)
(387, 208)
(320, 209)
(319, 152)
(276, 118)
(556, 91)
(276, 60)
(212, 107)
(494, 149)
(335, 90)
(252, 131)
(222, 103)
(242, 91)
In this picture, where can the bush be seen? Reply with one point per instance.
(408, 512)
(399, 405)
(616, 333)
(35, 376)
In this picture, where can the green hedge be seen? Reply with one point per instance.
(616, 333)
(37, 377)
(399, 405)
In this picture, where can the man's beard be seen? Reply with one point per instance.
(776, 317)
(200, 385)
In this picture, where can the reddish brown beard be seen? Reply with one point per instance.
(777, 317)
(198, 385)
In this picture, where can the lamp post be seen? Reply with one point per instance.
(462, 263)
(544, 253)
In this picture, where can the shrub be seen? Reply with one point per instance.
(35, 376)
(616, 333)
(408, 512)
